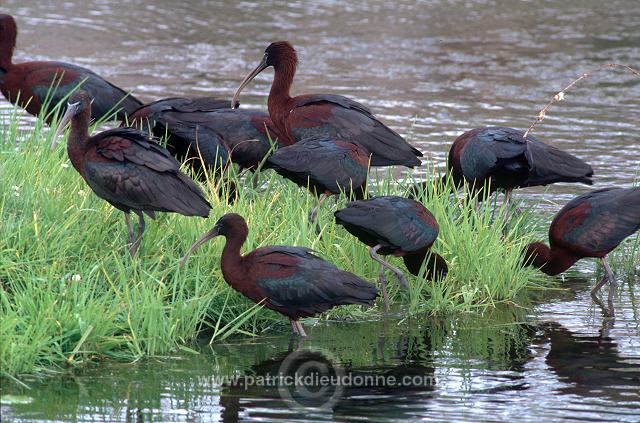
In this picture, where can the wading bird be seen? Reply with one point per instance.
(501, 158)
(206, 130)
(128, 170)
(290, 280)
(27, 84)
(331, 115)
(396, 226)
(324, 165)
(590, 225)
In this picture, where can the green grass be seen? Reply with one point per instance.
(71, 294)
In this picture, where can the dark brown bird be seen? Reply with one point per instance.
(328, 115)
(206, 131)
(324, 165)
(498, 157)
(290, 280)
(590, 225)
(396, 226)
(128, 170)
(27, 84)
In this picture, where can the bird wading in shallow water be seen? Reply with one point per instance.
(590, 225)
(290, 280)
(330, 115)
(498, 157)
(128, 170)
(396, 226)
(27, 84)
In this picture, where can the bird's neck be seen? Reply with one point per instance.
(78, 141)
(7, 44)
(551, 261)
(232, 260)
(436, 266)
(279, 98)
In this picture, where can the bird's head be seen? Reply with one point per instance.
(279, 54)
(227, 225)
(78, 104)
(536, 255)
(8, 33)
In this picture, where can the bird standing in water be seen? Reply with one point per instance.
(590, 225)
(27, 84)
(128, 170)
(290, 280)
(497, 157)
(329, 115)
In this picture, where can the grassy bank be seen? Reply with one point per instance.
(71, 293)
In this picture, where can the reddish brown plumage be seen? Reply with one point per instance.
(128, 170)
(205, 131)
(27, 84)
(324, 165)
(401, 226)
(290, 280)
(500, 158)
(329, 115)
(590, 225)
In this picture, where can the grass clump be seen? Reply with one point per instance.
(70, 293)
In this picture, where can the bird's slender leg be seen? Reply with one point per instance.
(294, 327)
(612, 286)
(608, 276)
(401, 278)
(383, 286)
(507, 198)
(136, 243)
(301, 331)
(132, 235)
(314, 211)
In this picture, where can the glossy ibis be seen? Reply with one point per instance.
(27, 84)
(290, 280)
(398, 226)
(331, 115)
(206, 130)
(501, 158)
(324, 165)
(128, 170)
(590, 225)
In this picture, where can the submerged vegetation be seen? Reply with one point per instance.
(71, 293)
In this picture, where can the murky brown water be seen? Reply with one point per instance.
(431, 71)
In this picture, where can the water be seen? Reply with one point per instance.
(561, 361)
(431, 71)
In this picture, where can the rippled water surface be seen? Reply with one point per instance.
(431, 70)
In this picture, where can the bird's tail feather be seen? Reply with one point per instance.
(550, 165)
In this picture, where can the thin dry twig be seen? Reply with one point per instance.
(560, 95)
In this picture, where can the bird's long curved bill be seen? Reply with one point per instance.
(262, 66)
(66, 118)
(211, 234)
